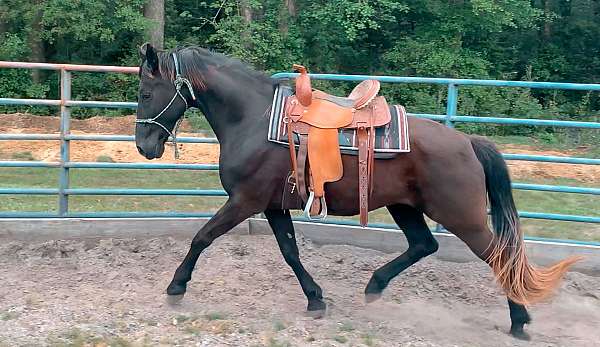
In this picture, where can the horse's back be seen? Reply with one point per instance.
(439, 157)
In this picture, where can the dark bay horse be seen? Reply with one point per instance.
(445, 176)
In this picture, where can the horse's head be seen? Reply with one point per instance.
(224, 89)
(164, 95)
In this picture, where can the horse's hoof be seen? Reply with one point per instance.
(372, 297)
(520, 334)
(316, 309)
(176, 289)
(316, 314)
(174, 299)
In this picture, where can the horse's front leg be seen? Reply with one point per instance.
(281, 223)
(229, 215)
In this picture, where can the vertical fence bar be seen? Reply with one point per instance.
(65, 120)
(452, 104)
(451, 107)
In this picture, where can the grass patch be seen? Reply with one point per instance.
(198, 121)
(104, 159)
(368, 340)
(193, 330)
(182, 318)
(211, 316)
(28, 177)
(6, 316)
(149, 322)
(212, 323)
(340, 339)
(78, 338)
(278, 325)
(276, 343)
(25, 156)
(346, 327)
(93, 178)
(532, 201)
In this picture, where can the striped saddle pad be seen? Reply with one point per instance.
(389, 139)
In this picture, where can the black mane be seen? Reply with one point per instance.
(194, 60)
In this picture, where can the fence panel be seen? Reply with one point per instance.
(63, 191)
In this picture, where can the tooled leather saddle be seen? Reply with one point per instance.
(315, 117)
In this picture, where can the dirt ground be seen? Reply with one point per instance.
(209, 153)
(111, 292)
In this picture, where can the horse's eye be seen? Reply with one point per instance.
(146, 96)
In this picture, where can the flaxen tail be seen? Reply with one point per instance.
(522, 282)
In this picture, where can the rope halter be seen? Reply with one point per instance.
(179, 82)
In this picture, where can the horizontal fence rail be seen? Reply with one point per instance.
(64, 137)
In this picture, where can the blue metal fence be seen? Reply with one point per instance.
(63, 191)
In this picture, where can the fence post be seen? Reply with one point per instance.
(451, 107)
(65, 120)
(452, 104)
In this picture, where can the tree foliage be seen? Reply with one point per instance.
(538, 40)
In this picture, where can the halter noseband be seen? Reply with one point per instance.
(178, 82)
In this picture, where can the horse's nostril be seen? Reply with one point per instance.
(140, 150)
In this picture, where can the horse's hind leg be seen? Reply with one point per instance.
(421, 243)
(473, 230)
(518, 318)
(481, 241)
(281, 223)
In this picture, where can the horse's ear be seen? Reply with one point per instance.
(148, 53)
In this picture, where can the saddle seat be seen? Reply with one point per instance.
(360, 96)
(315, 117)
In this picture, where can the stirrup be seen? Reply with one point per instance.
(321, 216)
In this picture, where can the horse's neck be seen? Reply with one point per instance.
(232, 113)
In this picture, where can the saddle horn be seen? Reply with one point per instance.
(303, 87)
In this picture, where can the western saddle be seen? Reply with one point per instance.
(315, 117)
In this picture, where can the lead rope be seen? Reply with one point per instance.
(178, 82)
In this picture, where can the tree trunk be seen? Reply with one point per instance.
(34, 40)
(288, 11)
(246, 14)
(291, 6)
(3, 19)
(547, 32)
(565, 7)
(246, 11)
(155, 11)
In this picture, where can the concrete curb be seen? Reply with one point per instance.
(385, 240)
(451, 248)
(45, 229)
